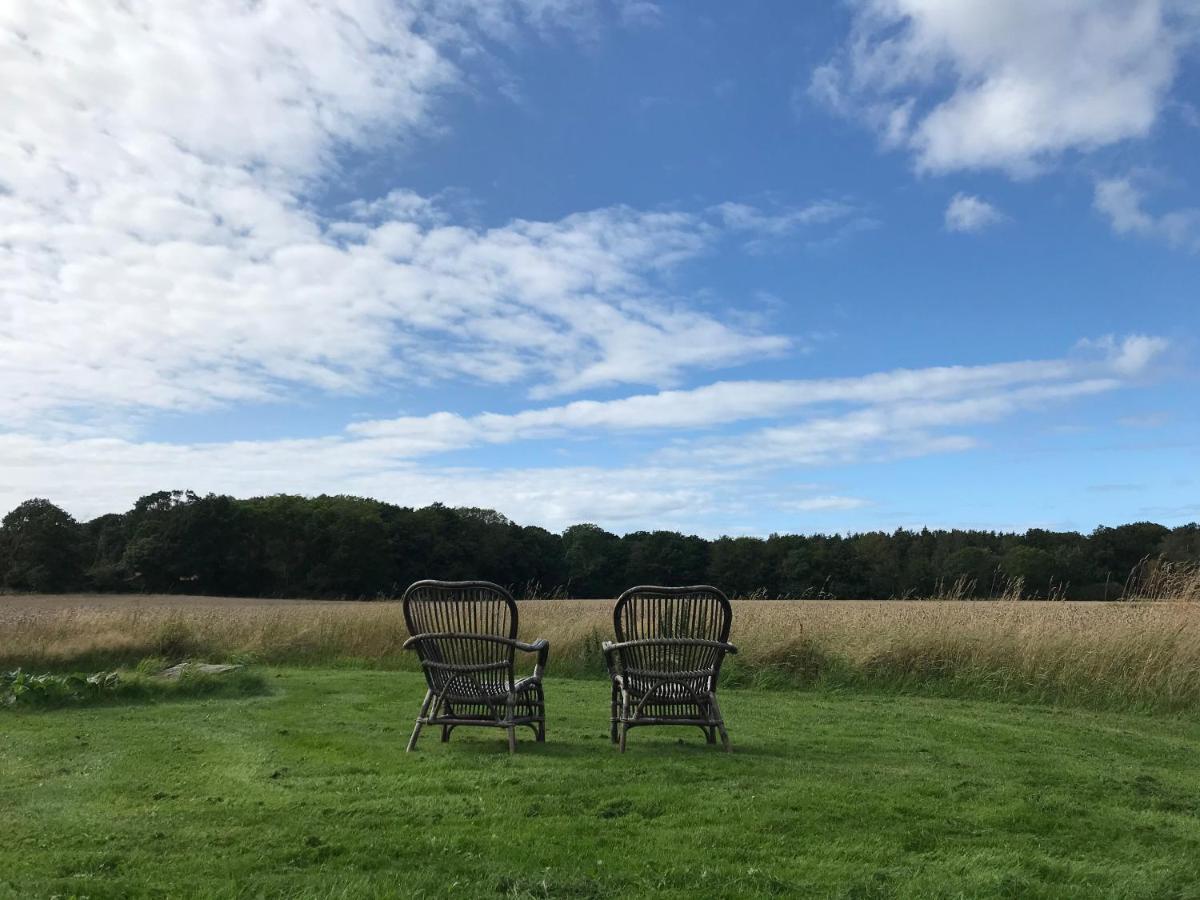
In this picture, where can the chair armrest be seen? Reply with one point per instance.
(450, 635)
(610, 658)
(678, 642)
(542, 648)
(613, 658)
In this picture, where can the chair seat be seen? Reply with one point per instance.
(493, 691)
(687, 692)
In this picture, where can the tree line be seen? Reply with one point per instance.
(341, 547)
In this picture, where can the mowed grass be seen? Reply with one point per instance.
(307, 792)
(1119, 656)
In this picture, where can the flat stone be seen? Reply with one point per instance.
(177, 671)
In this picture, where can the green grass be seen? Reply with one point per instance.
(306, 792)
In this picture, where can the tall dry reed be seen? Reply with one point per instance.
(1116, 655)
(1159, 579)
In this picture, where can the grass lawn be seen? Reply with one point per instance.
(306, 791)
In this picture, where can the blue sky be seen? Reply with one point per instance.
(725, 268)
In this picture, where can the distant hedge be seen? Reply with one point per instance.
(352, 547)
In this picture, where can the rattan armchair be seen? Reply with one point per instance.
(465, 634)
(667, 658)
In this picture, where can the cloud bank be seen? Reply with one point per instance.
(160, 248)
(701, 471)
(975, 84)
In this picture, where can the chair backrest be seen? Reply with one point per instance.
(475, 607)
(467, 607)
(649, 611)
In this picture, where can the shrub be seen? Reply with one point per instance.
(20, 688)
(24, 690)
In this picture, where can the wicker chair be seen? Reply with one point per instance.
(667, 658)
(465, 634)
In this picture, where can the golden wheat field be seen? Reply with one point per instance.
(1132, 654)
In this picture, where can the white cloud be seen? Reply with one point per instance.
(91, 477)
(967, 84)
(768, 229)
(829, 502)
(880, 432)
(1123, 204)
(158, 249)
(693, 482)
(400, 204)
(639, 13)
(1128, 356)
(969, 213)
(743, 217)
(1102, 361)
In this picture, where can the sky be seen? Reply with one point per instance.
(720, 268)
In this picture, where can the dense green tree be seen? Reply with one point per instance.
(182, 542)
(593, 558)
(347, 549)
(977, 565)
(1118, 550)
(483, 515)
(1033, 567)
(353, 547)
(1182, 544)
(881, 560)
(40, 548)
(800, 573)
(103, 544)
(539, 565)
(741, 566)
(665, 557)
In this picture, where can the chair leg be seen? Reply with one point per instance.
(446, 733)
(412, 741)
(716, 708)
(612, 731)
(623, 722)
(541, 711)
(710, 734)
(510, 714)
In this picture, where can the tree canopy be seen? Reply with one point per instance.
(353, 547)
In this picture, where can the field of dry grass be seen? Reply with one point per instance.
(1126, 655)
